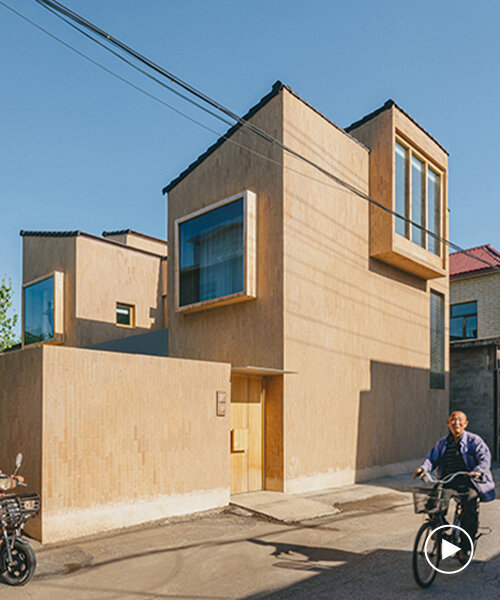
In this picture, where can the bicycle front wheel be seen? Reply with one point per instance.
(424, 572)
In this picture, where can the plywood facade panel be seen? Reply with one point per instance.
(44, 255)
(129, 439)
(250, 332)
(21, 407)
(107, 274)
(356, 330)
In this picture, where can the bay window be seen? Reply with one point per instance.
(418, 197)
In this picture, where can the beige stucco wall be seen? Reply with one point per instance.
(44, 255)
(97, 275)
(21, 419)
(106, 274)
(486, 290)
(126, 438)
(356, 330)
(251, 332)
(141, 241)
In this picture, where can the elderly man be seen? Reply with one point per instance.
(463, 451)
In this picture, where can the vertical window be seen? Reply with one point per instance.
(417, 200)
(463, 321)
(125, 315)
(433, 210)
(437, 341)
(417, 197)
(401, 188)
(39, 311)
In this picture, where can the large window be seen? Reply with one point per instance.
(216, 253)
(418, 197)
(39, 311)
(437, 341)
(463, 321)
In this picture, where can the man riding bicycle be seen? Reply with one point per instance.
(463, 451)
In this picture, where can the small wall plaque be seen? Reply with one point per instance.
(221, 404)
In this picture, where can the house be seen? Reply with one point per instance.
(475, 339)
(330, 310)
(80, 290)
(307, 327)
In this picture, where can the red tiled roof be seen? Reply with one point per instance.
(462, 263)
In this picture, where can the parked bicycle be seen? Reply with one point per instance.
(434, 502)
(17, 558)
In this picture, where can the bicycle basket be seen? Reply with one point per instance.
(431, 500)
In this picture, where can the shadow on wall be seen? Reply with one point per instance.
(397, 275)
(400, 418)
(153, 343)
(91, 332)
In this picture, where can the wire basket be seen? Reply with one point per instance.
(431, 500)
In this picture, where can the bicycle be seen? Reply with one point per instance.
(434, 502)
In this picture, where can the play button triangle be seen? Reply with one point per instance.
(448, 549)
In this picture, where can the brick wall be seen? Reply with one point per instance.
(112, 440)
(486, 290)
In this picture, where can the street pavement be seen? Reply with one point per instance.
(363, 551)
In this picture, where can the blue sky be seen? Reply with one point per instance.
(81, 150)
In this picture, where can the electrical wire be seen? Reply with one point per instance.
(53, 6)
(225, 137)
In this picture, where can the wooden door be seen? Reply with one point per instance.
(246, 433)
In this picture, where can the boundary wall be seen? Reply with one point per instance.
(113, 440)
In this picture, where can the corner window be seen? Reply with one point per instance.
(215, 261)
(418, 191)
(39, 311)
(125, 315)
(463, 321)
(437, 341)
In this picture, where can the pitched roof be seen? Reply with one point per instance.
(389, 104)
(466, 263)
(78, 233)
(277, 87)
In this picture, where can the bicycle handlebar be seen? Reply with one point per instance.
(427, 477)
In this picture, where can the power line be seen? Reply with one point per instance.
(226, 137)
(53, 6)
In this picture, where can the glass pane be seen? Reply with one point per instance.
(437, 341)
(39, 311)
(470, 327)
(456, 328)
(465, 308)
(433, 210)
(123, 314)
(417, 200)
(211, 254)
(401, 188)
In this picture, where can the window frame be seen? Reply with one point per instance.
(464, 317)
(58, 308)
(132, 315)
(437, 380)
(428, 164)
(249, 291)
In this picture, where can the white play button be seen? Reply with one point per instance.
(448, 549)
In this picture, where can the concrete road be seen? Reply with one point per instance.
(364, 552)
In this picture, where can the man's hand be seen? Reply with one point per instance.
(476, 475)
(418, 472)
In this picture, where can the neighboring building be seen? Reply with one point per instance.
(475, 339)
(80, 289)
(330, 310)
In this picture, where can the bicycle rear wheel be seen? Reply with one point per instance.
(423, 572)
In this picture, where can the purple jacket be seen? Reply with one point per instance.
(477, 457)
